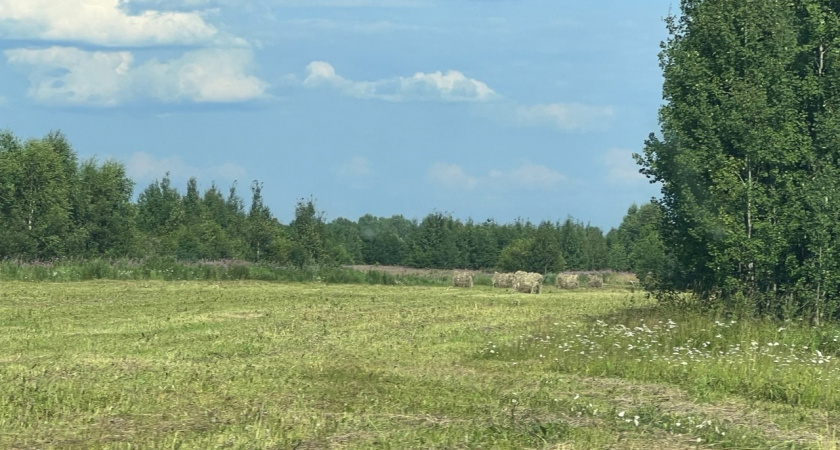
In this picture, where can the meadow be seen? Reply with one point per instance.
(250, 364)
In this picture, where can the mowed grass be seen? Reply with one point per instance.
(256, 365)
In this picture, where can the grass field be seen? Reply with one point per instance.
(152, 364)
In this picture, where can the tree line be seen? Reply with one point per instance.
(54, 206)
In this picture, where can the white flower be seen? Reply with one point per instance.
(621, 414)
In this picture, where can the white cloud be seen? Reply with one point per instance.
(308, 26)
(209, 75)
(621, 168)
(566, 116)
(450, 176)
(527, 176)
(69, 76)
(453, 86)
(534, 176)
(102, 22)
(143, 166)
(356, 167)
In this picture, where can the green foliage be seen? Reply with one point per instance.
(345, 240)
(309, 233)
(435, 243)
(52, 206)
(544, 254)
(747, 156)
(515, 255)
(636, 245)
(104, 215)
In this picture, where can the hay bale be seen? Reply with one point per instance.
(502, 280)
(527, 283)
(567, 281)
(596, 281)
(462, 279)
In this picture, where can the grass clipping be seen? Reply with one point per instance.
(567, 281)
(462, 279)
(503, 280)
(527, 282)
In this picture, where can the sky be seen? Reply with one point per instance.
(499, 109)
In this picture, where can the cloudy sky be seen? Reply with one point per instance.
(481, 108)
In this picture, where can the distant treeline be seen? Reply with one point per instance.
(53, 206)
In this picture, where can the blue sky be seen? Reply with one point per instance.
(481, 108)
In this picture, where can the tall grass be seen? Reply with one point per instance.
(167, 269)
(790, 362)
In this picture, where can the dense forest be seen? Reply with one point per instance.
(53, 206)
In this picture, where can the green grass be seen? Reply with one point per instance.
(786, 362)
(152, 364)
(168, 269)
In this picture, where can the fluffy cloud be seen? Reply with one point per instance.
(621, 168)
(566, 116)
(531, 176)
(527, 176)
(101, 22)
(308, 26)
(453, 86)
(70, 76)
(356, 167)
(450, 176)
(143, 166)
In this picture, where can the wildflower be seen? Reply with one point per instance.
(636, 421)
(621, 414)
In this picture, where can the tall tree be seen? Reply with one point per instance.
(345, 241)
(544, 255)
(104, 211)
(260, 224)
(435, 244)
(748, 154)
(309, 234)
(44, 192)
(159, 216)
